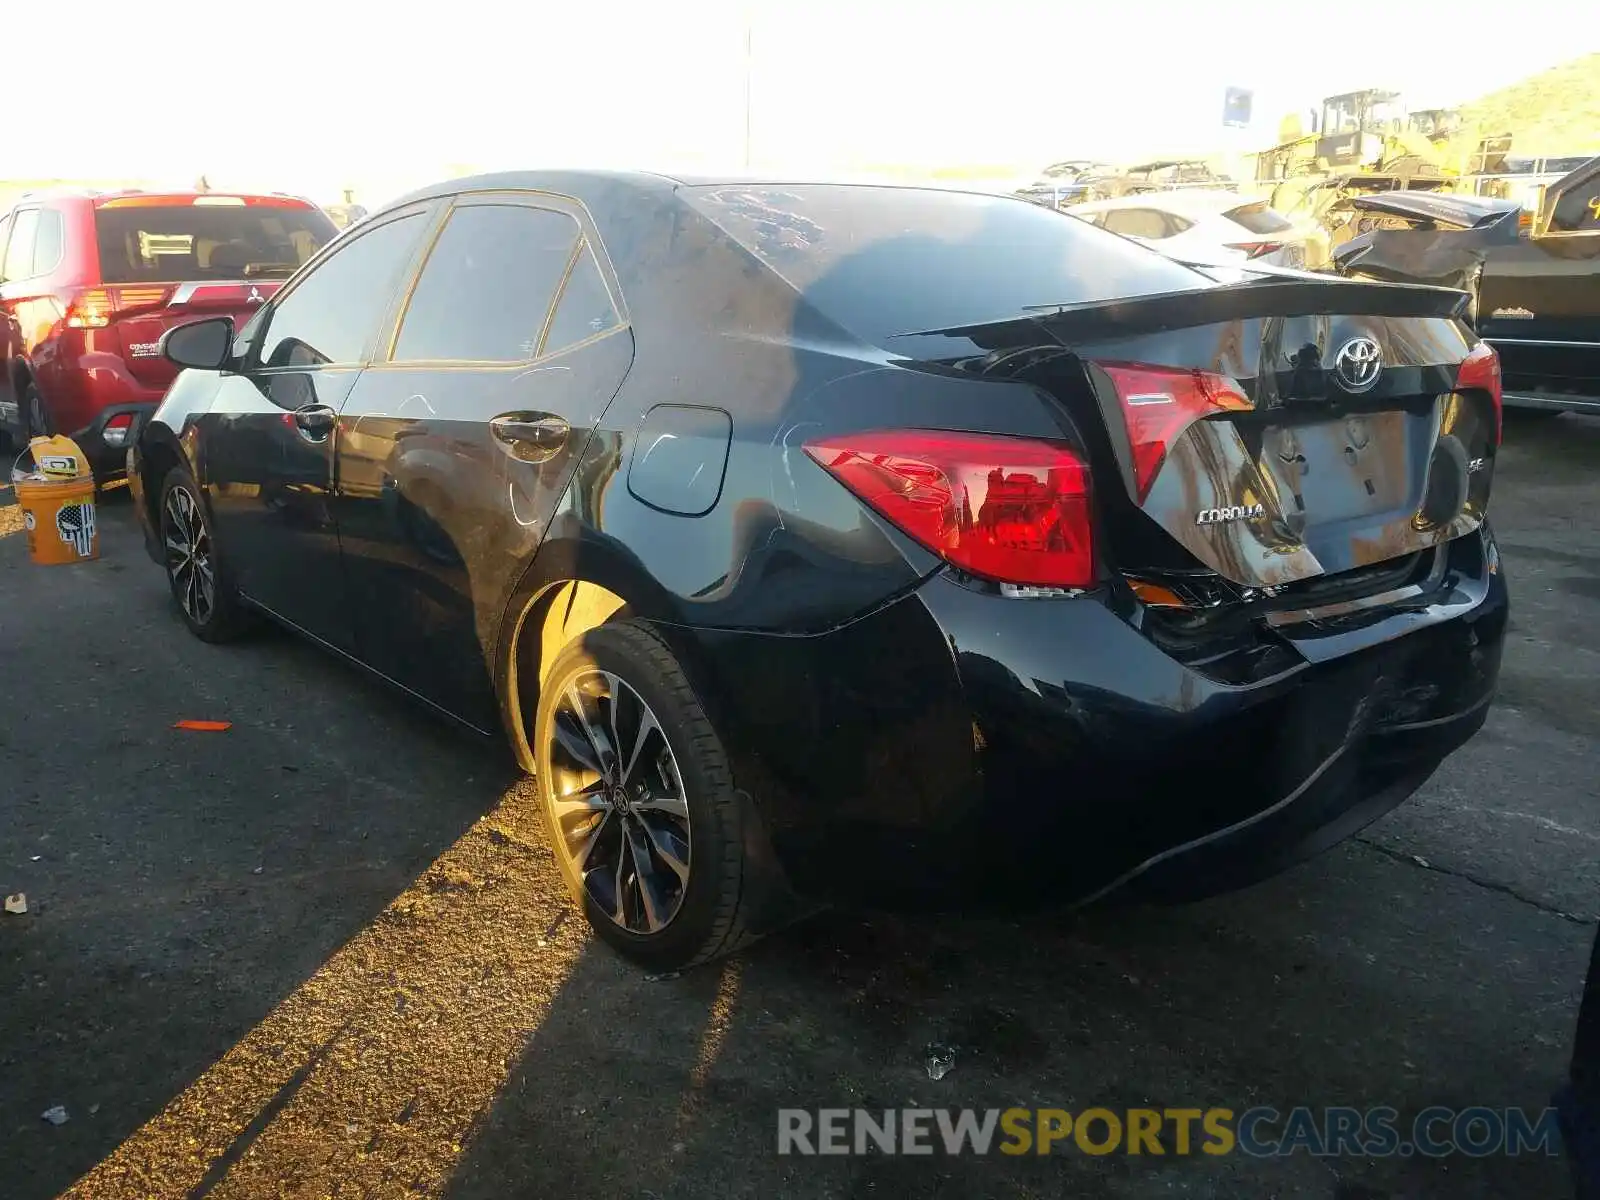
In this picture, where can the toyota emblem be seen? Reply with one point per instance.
(1358, 364)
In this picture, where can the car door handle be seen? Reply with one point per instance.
(532, 437)
(315, 420)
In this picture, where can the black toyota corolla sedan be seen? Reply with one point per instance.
(819, 543)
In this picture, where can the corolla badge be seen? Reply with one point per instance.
(1358, 364)
(1233, 512)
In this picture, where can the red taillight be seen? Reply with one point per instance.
(1008, 509)
(91, 309)
(1481, 369)
(120, 421)
(1256, 249)
(95, 308)
(1159, 403)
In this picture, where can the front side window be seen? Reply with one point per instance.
(488, 284)
(332, 314)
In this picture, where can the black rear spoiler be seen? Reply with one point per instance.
(1458, 212)
(1266, 296)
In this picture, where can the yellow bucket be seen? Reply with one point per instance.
(57, 502)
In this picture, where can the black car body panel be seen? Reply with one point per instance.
(1318, 660)
(1535, 292)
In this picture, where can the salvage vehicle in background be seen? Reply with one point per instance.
(1064, 183)
(90, 281)
(1194, 224)
(1535, 287)
(837, 543)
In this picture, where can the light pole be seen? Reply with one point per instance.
(749, 60)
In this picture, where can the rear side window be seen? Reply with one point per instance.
(1140, 222)
(487, 288)
(19, 251)
(1258, 218)
(882, 261)
(47, 242)
(330, 315)
(585, 309)
(143, 242)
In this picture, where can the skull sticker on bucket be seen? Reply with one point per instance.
(75, 524)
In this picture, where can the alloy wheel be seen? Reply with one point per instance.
(188, 551)
(617, 802)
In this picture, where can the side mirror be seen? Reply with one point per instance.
(204, 345)
(1571, 204)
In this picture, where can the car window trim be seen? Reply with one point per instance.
(252, 361)
(567, 206)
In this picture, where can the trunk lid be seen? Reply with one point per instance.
(1275, 431)
(170, 258)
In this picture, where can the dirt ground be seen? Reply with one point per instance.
(326, 954)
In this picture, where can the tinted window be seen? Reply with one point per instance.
(170, 242)
(1258, 218)
(1137, 222)
(488, 284)
(331, 314)
(882, 261)
(47, 244)
(585, 307)
(19, 252)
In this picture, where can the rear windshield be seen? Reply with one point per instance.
(1258, 218)
(172, 243)
(881, 261)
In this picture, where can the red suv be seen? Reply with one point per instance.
(89, 282)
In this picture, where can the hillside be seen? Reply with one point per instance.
(1553, 113)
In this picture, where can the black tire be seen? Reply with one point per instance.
(32, 414)
(224, 617)
(709, 919)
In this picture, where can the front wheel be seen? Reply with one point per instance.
(200, 583)
(639, 798)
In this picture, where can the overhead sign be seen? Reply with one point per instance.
(1236, 107)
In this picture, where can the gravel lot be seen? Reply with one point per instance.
(325, 953)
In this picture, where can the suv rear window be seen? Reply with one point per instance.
(181, 241)
(1258, 218)
(881, 261)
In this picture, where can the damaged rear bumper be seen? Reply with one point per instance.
(1002, 752)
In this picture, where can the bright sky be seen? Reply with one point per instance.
(313, 95)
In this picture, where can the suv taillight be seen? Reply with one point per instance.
(1481, 369)
(1159, 403)
(1012, 510)
(95, 308)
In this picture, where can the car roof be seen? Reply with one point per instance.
(578, 182)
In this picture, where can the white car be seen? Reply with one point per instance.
(1203, 225)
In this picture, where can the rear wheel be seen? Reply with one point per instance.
(200, 582)
(31, 411)
(640, 800)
